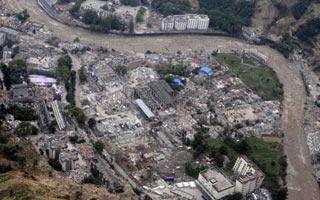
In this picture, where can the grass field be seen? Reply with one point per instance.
(268, 157)
(259, 78)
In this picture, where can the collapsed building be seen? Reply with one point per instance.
(22, 93)
(122, 130)
(58, 115)
(67, 159)
(157, 95)
(10, 34)
(44, 114)
(51, 146)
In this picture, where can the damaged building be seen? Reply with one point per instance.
(157, 95)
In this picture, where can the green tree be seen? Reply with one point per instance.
(6, 75)
(74, 11)
(140, 15)
(82, 72)
(171, 7)
(63, 69)
(22, 113)
(99, 146)
(131, 2)
(92, 123)
(52, 126)
(198, 143)
(18, 71)
(91, 17)
(25, 129)
(70, 86)
(131, 26)
(219, 159)
(23, 15)
(55, 164)
(78, 114)
(121, 70)
(65, 60)
(193, 170)
(235, 196)
(228, 15)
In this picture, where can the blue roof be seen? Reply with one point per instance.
(177, 82)
(206, 70)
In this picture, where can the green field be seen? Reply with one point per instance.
(268, 157)
(259, 78)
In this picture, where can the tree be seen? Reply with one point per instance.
(242, 147)
(63, 69)
(224, 150)
(22, 113)
(65, 60)
(193, 170)
(299, 8)
(74, 11)
(131, 26)
(82, 73)
(140, 15)
(55, 164)
(131, 2)
(228, 15)
(78, 114)
(6, 75)
(121, 70)
(18, 71)
(52, 126)
(91, 17)
(25, 129)
(23, 15)
(309, 30)
(92, 123)
(198, 143)
(70, 86)
(99, 146)
(219, 159)
(171, 7)
(235, 196)
(281, 194)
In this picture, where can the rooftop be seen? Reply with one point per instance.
(218, 180)
(146, 110)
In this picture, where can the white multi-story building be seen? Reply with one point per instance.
(167, 23)
(185, 22)
(248, 176)
(215, 183)
(180, 22)
(193, 21)
(203, 22)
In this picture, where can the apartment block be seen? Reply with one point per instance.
(185, 22)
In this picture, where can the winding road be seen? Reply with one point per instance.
(301, 183)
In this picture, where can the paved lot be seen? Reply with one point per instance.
(301, 184)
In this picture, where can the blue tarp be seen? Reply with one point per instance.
(207, 70)
(177, 82)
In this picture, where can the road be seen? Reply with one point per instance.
(301, 183)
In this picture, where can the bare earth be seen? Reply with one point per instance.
(301, 183)
(265, 12)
